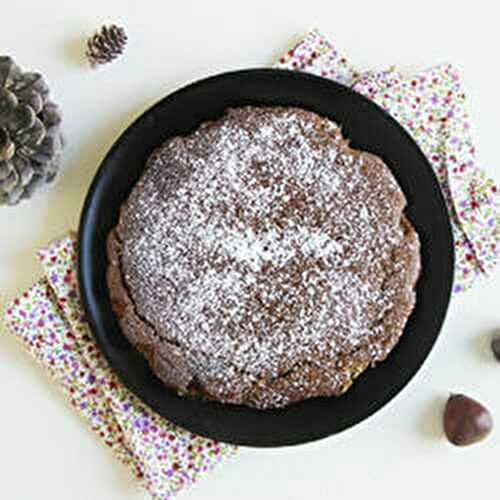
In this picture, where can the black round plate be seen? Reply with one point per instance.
(369, 128)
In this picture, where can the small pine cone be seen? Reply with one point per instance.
(106, 45)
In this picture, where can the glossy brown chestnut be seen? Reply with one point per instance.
(465, 420)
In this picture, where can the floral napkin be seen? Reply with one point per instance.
(431, 105)
(49, 321)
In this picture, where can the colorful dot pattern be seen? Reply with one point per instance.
(431, 105)
(49, 321)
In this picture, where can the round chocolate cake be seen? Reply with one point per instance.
(262, 261)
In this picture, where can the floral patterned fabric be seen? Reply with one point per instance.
(49, 321)
(431, 105)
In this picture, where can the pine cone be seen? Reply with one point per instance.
(30, 136)
(106, 45)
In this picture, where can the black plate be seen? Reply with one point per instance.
(369, 128)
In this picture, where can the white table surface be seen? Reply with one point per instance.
(45, 449)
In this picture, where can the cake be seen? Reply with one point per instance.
(262, 261)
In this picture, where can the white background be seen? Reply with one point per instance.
(45, 450)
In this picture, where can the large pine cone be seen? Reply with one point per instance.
(30, 133)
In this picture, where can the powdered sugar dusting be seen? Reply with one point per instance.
(261, 244)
